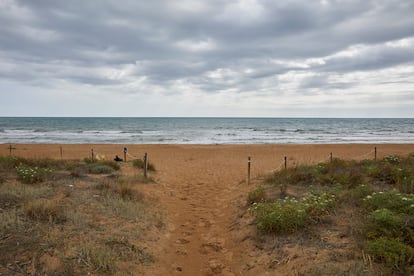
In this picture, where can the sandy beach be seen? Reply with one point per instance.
(201, 189)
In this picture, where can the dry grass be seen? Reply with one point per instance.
(56, 217)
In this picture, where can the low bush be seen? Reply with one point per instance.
(391, 200)
(393, 253)
(32, 175)
(257, 195)
(101, 169)
(139, 163)
(384, 223)
(289, 215)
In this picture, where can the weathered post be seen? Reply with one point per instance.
(61, 153)
(248, 169)
(125, 152)
(10, 149)
(375, 153)
(145, 165)
(285, 162)
(331, 157)
(92, 155)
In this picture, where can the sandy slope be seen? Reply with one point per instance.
(202, 190)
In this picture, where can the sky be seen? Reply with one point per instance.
(209, 58)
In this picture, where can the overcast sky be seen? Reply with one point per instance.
(207, 58)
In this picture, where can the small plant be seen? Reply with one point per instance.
(384, 223)
(257, 195)
(45, 211)
(101, 169)
(139, 163)
(392, 159)
(394, 201)
(279, 217)
(393, 253)
(289, 215)
(32, 175)
(98, 257)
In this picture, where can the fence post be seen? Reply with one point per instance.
(92, 154)
(145, 164)
(285, 162)
(248, 169)
(125, 153)
(331, 157)
(375, 153)
(10, 149)
(61, 153)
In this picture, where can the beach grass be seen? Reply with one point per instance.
(87, 215)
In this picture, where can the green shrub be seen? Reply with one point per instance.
(289, 215)
(101, 169)
(392, 159)
(139, 163)
(317, 205)
(384, 223)
(286, 217)
(392, 252)
(257, 195)
(394, 201)
(31, 175)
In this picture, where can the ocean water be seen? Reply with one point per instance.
(205, 130)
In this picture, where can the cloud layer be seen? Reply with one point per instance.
(207, 58)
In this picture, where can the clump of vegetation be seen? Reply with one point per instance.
(389, 229)
(32, 175)
(290, 215)
(139, 163)
(99, 258)
(257, 195)
(101, 169)
(45, 211)
(380, 192)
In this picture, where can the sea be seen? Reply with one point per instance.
(100, 130)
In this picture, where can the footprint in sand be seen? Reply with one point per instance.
(182, 241)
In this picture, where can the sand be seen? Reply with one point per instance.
(201, 189)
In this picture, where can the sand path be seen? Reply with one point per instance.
(200, 197)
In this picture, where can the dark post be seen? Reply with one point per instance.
(375, 153)
(248, 169)
(145, 164)
(331, 157)
(61, 153)
(92, 154)
(285, 162)
(125, 152)
(10, 149)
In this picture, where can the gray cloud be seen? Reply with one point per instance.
(244, 46)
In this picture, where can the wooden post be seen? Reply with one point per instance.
(10, 149)
(375, 153)
(125, 152)
(248, 169)
(331, 157)
(61, 153)
(285, 162)
(145, 165)
(92, 154)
